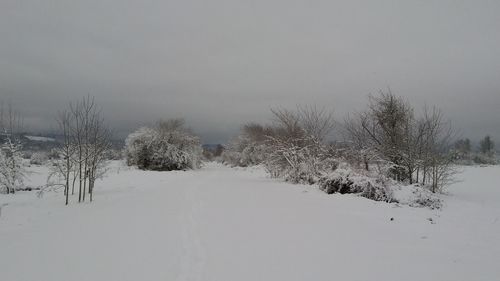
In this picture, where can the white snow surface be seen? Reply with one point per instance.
(220, 223)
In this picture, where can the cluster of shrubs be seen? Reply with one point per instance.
(385, 145)
(295, 148)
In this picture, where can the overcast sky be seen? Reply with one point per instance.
(222, 63)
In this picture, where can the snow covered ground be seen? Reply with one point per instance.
(221, 224)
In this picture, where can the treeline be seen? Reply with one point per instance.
(484, 153)
(389, 141)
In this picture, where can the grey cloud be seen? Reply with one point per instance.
(222, 63)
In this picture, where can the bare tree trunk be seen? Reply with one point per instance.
(68, 172)
(74, 181)
(80, 179)
(84, 185)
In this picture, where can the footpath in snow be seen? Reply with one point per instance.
(229, 224)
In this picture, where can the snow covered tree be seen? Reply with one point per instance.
(137, 145)
(12, 170)
(168, 146)
(414, 148)
(294, 147)
(384, 129)
(249, 147)
(297, 149)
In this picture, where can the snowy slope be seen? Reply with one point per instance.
(37, 138)
(220, 224)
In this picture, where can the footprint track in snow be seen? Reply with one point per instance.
(193, 258)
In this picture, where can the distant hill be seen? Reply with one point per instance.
(45, 142)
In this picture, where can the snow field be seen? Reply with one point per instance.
(219, 223)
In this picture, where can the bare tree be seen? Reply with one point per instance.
(99, 144)
(384, 131)
(363, 147)
(83, 154)
(317, 122)
(65, 120)
(11, 121)
(436, 160)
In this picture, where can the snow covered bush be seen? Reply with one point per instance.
(416, 195)
(299, 161)
(484, 159)
(425, 198)
(244, 153)
(38, 158)
(53, 154)
(344, 181)
(378, 187)
(168, 146)
(137, 145)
